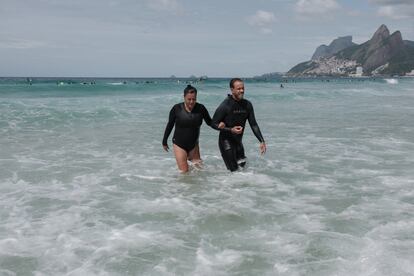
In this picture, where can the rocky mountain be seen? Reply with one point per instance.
(269, 76)
(383, 54)
(336, 45)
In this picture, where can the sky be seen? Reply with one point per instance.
(161, 38)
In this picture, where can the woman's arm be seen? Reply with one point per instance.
(168, 128)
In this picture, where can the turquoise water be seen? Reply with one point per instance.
(86, 189)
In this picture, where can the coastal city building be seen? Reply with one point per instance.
(410, 74)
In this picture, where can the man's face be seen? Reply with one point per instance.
(238, 90)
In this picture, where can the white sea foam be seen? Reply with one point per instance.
(391, 81)
(209, 260)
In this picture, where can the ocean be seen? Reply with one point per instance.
(86, 188)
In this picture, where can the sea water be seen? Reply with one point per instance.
(86, 188)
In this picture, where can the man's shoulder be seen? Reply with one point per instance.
(223, 107)
(246, 102)
(225, 101)
(228, 98)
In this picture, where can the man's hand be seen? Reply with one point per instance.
(166, 148)
(237, 130)
(262, 148)
(221, 125)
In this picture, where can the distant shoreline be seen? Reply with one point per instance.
(210, 78)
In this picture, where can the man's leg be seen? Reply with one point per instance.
(240, 157)
(228, 153)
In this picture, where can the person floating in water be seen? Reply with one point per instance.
(234, 111)
(187, 118)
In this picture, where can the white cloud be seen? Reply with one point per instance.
(388, 11)
(20, 44)
(392, 2)
(354, 13)
(312, 8)
(164, 5)
(398, 9)
(266, 30)
(263, 20)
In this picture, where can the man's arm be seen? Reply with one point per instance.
(255, 128)
(218, 117)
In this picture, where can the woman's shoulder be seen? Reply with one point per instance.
(178, 105)
(199, 105)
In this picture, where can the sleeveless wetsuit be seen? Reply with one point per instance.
(187, 125)
(234, 113)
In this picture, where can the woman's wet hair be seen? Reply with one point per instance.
(232, 81)
(190, 89)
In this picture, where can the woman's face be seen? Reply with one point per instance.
(190, 100)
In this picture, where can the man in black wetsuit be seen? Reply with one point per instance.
(234, 111)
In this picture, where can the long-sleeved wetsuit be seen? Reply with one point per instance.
(234, 113)
(187, 125)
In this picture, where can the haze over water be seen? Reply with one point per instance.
(86, 188)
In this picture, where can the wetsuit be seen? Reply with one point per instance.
(187, 125)
(234, 113)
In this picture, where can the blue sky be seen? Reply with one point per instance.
(160, 38)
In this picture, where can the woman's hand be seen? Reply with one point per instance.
(166, 148)
(221, 125)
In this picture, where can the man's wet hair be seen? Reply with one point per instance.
(233, 80)
(190, 89)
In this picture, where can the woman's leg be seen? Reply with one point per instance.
(181, 158)
(194, 156)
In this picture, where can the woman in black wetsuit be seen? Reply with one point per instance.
(187, 118)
